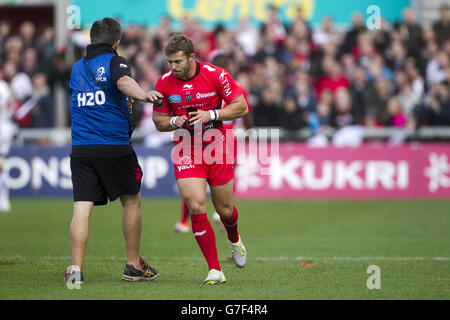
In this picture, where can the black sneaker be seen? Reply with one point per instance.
(144, 273)
(73, 274)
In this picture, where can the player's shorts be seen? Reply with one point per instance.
(97, 179)
(215, 174)
(193, 166)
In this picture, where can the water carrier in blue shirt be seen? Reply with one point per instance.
(98, 118)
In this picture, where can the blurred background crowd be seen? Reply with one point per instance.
(296, 76)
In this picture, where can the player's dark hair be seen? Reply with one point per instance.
(107, 31)
(179, 42)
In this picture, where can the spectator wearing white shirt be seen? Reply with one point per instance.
(436, 72)
(417, 82)
(408, 98)
(326, 33)
(247, 37)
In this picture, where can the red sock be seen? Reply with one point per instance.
(184, 212)
(204, 235)
(231, 226)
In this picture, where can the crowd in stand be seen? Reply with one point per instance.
(296, 76)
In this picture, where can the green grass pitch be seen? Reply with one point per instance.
(296, 250)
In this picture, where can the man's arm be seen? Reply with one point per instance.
(235, 109)
(163, 121)
(121, 77)
(132, 89)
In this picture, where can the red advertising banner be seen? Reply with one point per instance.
(293, 170)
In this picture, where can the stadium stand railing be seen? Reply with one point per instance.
(61, 137)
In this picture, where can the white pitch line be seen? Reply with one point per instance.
(375, 258)
(299, 258)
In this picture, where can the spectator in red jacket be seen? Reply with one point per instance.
(332, 80)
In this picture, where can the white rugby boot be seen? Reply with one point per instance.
(238, 253)
(215, 277)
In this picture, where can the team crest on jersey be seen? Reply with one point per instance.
(188, 97)
(100, 72)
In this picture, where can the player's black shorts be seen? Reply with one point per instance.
(97, 179)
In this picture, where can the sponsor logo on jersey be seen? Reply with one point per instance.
(225, 84)
(222, 75)
(196, 106)
(175, 98)
(205, 95)
(188, 87)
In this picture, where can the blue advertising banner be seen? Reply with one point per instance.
(45, 171)
(229, 12)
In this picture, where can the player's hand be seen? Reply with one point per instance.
(199, 115)
(154, 96)
(180, 121)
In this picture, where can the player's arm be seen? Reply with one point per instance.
(230, 92)
(235, 109)
(165, 122)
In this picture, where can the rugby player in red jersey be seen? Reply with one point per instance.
(225, 62)
(193, 94)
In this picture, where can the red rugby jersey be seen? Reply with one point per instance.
(205, 90)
